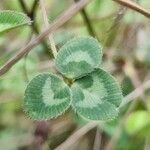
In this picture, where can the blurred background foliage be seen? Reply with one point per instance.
(125, 36)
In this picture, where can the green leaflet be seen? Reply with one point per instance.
(12, 19)
(96, 96)
(46, 97)
(138, 121)
(78, 57)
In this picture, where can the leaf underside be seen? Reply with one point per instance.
(78, 57)
(96, 96)
(46, 97)
(12, 19)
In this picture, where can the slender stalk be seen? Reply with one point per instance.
(131, 72)
(98, 140)
(87, 22)
(136, 93)
(134, 6)
(50, 37)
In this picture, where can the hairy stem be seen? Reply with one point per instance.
(50, 37)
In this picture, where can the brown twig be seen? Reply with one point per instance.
(50, 37)
(98, 140)
(78, 134)
(131, 72)
(134, 6)
(69, 13)
(136, 93)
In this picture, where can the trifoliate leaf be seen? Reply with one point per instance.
(96, 96)
(78, 57)
(12, 19)
(46, 96)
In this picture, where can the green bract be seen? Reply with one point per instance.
(12, 19)
(78, 57)
(94, 94)
(46, 97)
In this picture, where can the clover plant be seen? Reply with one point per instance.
(12, 19)
(92, 92)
